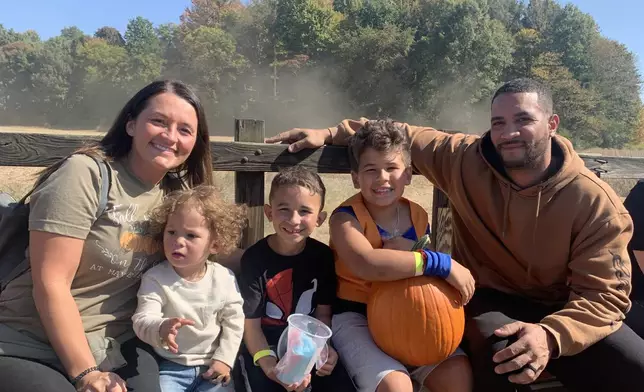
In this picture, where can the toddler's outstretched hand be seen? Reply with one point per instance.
(218, 373)
(461, 279)
(169, 330)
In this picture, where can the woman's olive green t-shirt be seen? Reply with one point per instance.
(118, 248)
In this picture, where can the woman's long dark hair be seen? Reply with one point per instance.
(116, 143)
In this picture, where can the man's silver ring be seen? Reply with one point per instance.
(531, 367)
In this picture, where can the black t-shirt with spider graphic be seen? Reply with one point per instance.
(275, 286)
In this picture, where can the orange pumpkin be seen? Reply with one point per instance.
(417, 321)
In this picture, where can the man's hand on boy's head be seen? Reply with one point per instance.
(461, 279)
(330, 363)
(398, 243)
(218, 373)
(170, 328)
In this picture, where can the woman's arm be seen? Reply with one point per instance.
(54, 261)
(62, 212)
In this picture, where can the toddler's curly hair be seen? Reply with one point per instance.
(225, 221)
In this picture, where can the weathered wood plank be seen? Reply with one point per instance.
(441, 222)
(273, 157)
(42, 149)
(38, 149)
(615, 167)
(249, 186)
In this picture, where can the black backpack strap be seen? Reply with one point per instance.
(24, 264)
(105, 186)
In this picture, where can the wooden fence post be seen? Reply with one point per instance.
(441, 222)
(249, 186)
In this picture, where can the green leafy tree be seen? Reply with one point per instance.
(572, 34)
(306, 26)
(111, 35)
(16, 67)
(509, 12)
(528, 45)
(457, 60)
(144, 50)
(213, 62)
(211, 13)
(613, 74)
(375, 64)
(105, 81)
(575, 105)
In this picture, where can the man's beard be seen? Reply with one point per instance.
(533, 156)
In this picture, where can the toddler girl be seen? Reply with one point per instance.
(189, 308)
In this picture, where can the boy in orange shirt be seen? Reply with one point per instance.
(372, 234)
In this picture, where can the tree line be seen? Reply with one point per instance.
(313, 62)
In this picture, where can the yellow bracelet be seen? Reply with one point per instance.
(263, 353)
(419, 263)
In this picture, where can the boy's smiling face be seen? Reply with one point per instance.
(295, 213)
(382, 176)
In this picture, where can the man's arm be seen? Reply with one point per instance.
(433, 153)
(600, 283)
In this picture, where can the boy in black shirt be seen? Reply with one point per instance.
(285, 273)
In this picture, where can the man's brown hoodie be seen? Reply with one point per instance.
(562, 241)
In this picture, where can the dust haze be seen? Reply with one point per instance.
(311, 99)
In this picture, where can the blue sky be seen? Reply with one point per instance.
(620, 20)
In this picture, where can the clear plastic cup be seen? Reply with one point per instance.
(301, 346)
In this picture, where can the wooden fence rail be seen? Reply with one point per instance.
(250, 158)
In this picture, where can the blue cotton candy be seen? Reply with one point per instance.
(297, 360)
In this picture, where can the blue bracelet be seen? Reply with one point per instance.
(438, 264)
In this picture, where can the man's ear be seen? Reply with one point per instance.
(321, 218)
(268, 211)
(553, 124)
(408, 175)
(354, 178)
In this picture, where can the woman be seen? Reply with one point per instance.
(65, 325)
